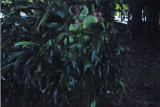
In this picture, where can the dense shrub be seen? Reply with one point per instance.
(61, 52)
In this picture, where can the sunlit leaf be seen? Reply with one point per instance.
(26, 43)
(84, 12)
(89, 20)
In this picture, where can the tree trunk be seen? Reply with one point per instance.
(137, 20)
(152, 21)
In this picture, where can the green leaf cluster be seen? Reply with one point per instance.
(48, 59)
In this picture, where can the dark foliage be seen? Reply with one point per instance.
(60, 54)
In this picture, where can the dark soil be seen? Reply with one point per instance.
(141, 74)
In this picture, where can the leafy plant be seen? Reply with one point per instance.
(59, 53)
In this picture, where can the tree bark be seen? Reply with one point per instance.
(152, 21)
(137, 20)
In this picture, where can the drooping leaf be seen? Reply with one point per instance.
(121, 48)
(71, 40)
(87, 63)
(60, 13)
(52, 25)
(44, 17)
(6, 67)
(39, 68)
(84, 12)
(45, 47)
(89, 20)
(93, 103)
(26, 43)
(42, 21)
(73, 27)
(123, 85)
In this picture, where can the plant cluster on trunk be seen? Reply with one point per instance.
(63, 53)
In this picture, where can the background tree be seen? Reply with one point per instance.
(150, 26)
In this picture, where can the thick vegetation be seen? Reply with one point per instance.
(62, 52)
